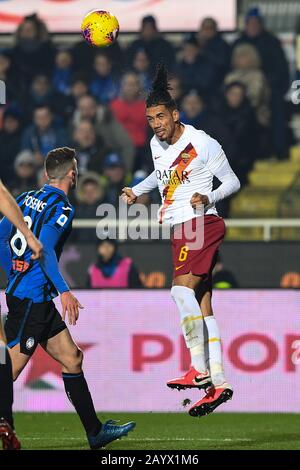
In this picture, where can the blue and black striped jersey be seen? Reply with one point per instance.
(50, 207)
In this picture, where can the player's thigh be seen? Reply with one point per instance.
(187, 280)
(64, 350)
(203, 294)
(206, 303)
(18, 359)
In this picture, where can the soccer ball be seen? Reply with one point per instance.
(100, 28)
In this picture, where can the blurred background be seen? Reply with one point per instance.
(234, 68)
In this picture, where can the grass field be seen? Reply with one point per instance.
(167, 431)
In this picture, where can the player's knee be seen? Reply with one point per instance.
(16, 373)
(73, 362)
(180, 293)
(79, 358)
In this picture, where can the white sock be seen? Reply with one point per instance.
(192, 324)
(206, 350)
(215, 351)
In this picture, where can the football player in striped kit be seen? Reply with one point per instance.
(10, 209)
(32, 284)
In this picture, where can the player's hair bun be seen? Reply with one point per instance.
(159, 93)
(160, 82)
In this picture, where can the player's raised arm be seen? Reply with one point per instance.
(130, 195)
(11, 210)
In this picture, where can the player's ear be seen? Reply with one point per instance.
(71, 173)
(175, 115)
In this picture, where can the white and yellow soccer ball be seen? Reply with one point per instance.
(100, 28)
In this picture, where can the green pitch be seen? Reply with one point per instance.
(159, 431)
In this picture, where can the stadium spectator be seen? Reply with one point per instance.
(111, 270)
(5, 64)
(114, 172)
(247, 70)
(84, 56)
(90, 149)
(41, 178)
(195, 70)
(141, 66)
(129, 110)
(222, 277)
(213, 47)
(236, 113)
(195, 112)
(275, 67)
(9, 76)
(157, 48)
(79, 86)
(43, 135)
(104, 85)
(176, 90)
(107, 127)
(90, 194)
(25, 173)
(10, 142)
(62, 74)
(42, 94)
(34, 52)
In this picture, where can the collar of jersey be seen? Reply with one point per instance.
(48, 187)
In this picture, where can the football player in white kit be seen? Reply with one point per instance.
(185, 161)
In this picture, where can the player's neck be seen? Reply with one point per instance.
(179, 130)
(62, 185)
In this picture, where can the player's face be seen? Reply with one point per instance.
(162, 121)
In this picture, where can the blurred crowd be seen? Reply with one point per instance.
(93, 100)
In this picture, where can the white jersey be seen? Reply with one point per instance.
(185, 168)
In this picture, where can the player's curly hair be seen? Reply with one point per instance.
(159, 93)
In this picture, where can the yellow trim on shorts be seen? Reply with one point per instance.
(213, 340)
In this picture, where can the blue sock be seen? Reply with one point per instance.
(6, 386)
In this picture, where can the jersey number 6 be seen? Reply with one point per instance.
(183, 253)
(19, 236)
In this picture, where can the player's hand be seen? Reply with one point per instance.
(128, 196)
(198, 199)
(70, 305)
(35, 246)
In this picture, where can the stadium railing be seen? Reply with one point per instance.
(266, 226)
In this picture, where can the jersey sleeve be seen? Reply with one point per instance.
(219, 166)
(146, 186)
(59, 217)
(56, 222)
(49, 237)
